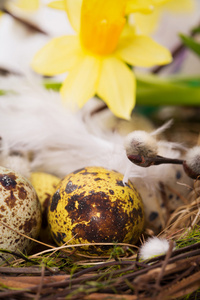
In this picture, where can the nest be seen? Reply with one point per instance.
(60, 273)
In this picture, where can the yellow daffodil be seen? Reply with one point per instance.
(144, 6)
(57, 4)
(23, 5)
(148, 23)
(96, 58)
(27, 5)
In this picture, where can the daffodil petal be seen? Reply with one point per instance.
(57, 56)
(59, 4)
(179, 6)
(143, 51)
(117, 87)
(146, 24)
(73, 9)
(30, 5)
(81, 82)
(160, 2)
(143, 6)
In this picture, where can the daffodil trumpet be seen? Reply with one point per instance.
(97, 57)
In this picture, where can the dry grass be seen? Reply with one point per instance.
(62, 273)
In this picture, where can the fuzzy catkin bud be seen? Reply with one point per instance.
(191, 163)
(140, 143)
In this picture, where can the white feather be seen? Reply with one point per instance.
(162, 128)
(152, 247)
(36, 121)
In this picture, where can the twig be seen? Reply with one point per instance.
(165, 262)
(117, 280)
(41, 284)
(96, 296)
(175, 53)
(19, 256)
(24, 270)
(5, 72)
(29, 25)
(102, 265)
(185, 286)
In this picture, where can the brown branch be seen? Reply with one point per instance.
(164, 264)
(184, 287)
(175, 53)
(117, 280)
(101, 266)
(29, 25)
(24, 270)
(5, 72)
(37, 297)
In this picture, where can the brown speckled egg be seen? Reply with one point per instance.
(92, 205)
(19, 210)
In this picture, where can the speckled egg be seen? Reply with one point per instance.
(20, 210)
(45, 186)
(93, 205)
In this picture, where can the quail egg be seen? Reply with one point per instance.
(20, 212)
(93, 205)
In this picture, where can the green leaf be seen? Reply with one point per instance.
(155, 91)
(190, 43)
(196, 30)
(2, 92)
(190, 81)
(55, 86)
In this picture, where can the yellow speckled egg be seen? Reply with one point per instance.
(45, 185)
(92, 205)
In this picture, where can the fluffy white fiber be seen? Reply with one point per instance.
(50, 138)
(152, 247)
(193, 159)
(33, 120)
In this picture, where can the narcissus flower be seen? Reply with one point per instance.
(148, 23)
(30, 5)
(24, 5)
(57, 4)
(144, 6)
(97, 57)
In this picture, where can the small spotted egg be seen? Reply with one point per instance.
(163, 198)
(45, 186)
(93, 205)
(20, 212)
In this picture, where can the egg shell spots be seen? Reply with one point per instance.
(95, 206)
(19, 209)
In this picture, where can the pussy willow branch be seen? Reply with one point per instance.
(177, 50)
